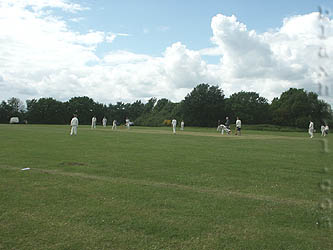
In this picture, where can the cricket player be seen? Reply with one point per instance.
(227, 122)
(238, 126)
(322, 129)
(174, 123)
(182, 125)
(104, 121)
(93, 122)
(74, 125)
(311, 128)
(225, 129)
(326, 130)
(127, 123)
(114, 125)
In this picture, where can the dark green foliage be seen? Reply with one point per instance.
(204, 105)
(46, 111)
(154, 115)
(13, 107)
(249, 107)
(297, 107)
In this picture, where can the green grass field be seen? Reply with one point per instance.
(145, 188)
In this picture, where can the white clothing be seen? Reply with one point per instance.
(93, 122)
(128, 123)
(74, 125)
(238, 123)
(322, 129)
(174, 123)
(104, 121)
(182, 126)
(311, 126)
(223, 129)
(238, 127)
(326, 130)
(114, 125)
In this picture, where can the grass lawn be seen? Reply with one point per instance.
(145, 188)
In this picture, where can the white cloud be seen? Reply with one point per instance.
(274, 61)
(42, 57)
(111, 36)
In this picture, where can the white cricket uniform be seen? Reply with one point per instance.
(74, 125)
(93, 122)
(174, 123)
(326, 130)
(114, 125)
(224, 129)
(182, 125)
(322, 129)
(311, 127)
(238, 126)
(128, 123)
(104, 121)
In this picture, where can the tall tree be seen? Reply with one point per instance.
(204, 105)
(46, 111)
(84, 107)
(297, 107)
(249, 107)
(4, 112)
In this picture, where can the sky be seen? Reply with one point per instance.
(111, 50)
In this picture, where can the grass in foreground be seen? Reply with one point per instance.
(148, 189)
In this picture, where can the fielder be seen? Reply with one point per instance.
(74, 125)
(127, 123)
(238, 126)
(311, 128)
(104, 121)
(93, 122)
(322, 129)
(114, 125)
(326, 130)
(174, 123)
(182, 125)
(227, 122)
(223, 129)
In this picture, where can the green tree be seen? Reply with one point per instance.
(249, 107)
(297, 107)
(4, 112)
(13, 107)
(46, 111)
(204, 106)
(84, 107)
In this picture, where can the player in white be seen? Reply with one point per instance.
(127, 123)
(322, 129)
(182, 125)
(74, 125)
(224, 129)
(326, 130)
(114, 125)
(311, 128)
(104, 121)
(93, 122)
(174, 123)
(238, 126)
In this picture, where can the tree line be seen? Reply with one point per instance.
(203, 106)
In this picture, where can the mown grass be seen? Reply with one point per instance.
(145, 188)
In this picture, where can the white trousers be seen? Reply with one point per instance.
(74, 130)
(174, 129)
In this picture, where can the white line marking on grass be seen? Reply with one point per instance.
(211, 191)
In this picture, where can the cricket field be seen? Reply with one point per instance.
(146, 188)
